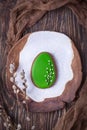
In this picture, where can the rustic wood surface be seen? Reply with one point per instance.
(61, 20)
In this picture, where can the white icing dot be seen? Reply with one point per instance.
(47, 77)
(47, 83)
(49, 61)
(51, 81)
(52, 65)
(47, 72)
(50, 69)
(53, 73)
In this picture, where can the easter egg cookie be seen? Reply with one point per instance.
(44, 70)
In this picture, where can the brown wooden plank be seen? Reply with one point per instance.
(62, 20)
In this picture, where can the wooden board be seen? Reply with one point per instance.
(60, 20)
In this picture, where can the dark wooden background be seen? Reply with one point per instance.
(60, 20)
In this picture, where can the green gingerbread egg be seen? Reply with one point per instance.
(43, 71)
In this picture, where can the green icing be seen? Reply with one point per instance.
(43, 72)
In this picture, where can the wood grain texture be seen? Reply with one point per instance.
(61, 20)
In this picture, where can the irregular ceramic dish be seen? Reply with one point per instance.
(44, 68)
